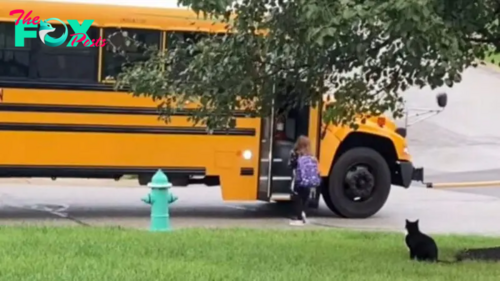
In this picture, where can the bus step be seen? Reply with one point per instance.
(281, 197)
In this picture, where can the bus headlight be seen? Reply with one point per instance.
(247, 155)
(405, 150)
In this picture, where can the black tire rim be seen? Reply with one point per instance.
(359, 183)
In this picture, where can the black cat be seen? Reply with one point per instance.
(422, 247)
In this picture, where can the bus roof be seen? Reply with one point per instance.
(109, 14)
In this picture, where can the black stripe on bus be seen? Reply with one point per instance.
(27, 84)
(121, 129)
(93, 109)
(92, 171)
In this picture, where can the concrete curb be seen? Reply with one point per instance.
(463, 184)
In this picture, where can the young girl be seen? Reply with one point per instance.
(306, 177)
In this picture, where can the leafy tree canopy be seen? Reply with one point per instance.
(366, 52)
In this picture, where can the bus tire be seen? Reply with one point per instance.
(325, 193)
(359, 183)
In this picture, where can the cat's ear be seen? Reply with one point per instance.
(407, 221)
(416, 221)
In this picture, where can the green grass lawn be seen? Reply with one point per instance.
(94, 254)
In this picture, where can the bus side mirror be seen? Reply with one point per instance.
(442, 99)
(402, 131)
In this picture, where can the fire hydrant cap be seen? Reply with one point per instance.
(159, 180)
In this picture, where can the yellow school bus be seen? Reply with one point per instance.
(61, 117)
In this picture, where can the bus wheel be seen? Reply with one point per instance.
(325, 192)
(359, 183)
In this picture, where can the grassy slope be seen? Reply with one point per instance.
(93, 254)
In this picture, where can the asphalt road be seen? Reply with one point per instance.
(106, 203)
(465, 136)
(462, 143)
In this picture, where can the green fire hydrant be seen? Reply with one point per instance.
(160, 199)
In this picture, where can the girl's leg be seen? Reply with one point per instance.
(298, 205)
(304, 198)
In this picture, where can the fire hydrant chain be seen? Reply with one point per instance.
(160, 199)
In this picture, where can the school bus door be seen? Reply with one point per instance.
(266, 157)
(277, 139)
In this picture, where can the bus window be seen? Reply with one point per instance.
(14, 61)
(66, 63)
(183, 39)
(176, 38)
(117, 38)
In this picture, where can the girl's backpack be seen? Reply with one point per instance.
(307, 174)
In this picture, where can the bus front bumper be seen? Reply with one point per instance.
(409, 173)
